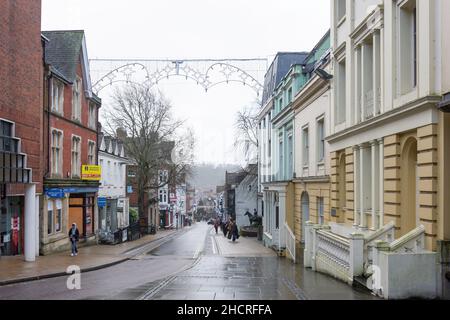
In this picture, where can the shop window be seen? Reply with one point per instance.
(54, 216)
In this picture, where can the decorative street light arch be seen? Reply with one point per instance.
(205, 72)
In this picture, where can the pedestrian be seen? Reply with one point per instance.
(224, 228)
(74, 236)
(235, 232)
(216, 224)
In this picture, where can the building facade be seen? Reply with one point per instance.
(276, 147)
(387, 147)
(312, 120)
(70, 144)
(113, 202)
(21, 127)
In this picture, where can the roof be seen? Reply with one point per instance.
(63, 51)
(278, 69)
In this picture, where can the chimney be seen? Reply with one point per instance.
(121, 134)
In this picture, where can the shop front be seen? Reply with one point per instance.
(63, 206)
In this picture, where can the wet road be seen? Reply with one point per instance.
(193, 266)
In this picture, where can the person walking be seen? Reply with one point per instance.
(224, 228)
(216, 224)
(233, 232)
(74, 236)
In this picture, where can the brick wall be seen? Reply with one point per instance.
(69, 127)
(21, 78)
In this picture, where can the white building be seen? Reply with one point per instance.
(386, 146)
(113, 202)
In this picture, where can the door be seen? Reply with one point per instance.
(76, 214)
(305, 213)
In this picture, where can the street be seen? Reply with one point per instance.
(196, 264)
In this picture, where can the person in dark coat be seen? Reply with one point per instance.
(74, 236)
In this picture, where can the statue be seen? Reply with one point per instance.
(253, 219)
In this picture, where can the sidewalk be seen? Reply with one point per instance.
(14, 269)
(246, 247)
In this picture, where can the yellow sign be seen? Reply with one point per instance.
(91, 172)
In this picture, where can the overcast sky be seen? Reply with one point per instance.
(180, 29)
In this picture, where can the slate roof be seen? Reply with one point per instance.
(63, 51)
(278, 69)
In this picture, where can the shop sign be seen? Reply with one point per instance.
(55, 193)
(91, 172)
(101, 201)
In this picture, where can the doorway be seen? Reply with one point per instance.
(409, 187)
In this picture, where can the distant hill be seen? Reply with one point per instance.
(207, 176)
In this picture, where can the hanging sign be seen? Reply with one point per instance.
(91, 172)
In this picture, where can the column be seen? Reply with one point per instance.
(357, 111)
(363, 217)
(356, 203)
(374, 182)
(37, 225)
(282, 219)
(363, 81)
(381, 181)
(376, 72)
(30, 222)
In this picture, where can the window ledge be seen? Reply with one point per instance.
(341, 21)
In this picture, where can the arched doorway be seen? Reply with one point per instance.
(305, 212)
(409, 187)
(342, 189)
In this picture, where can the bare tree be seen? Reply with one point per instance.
(246, 125)
(154, 139)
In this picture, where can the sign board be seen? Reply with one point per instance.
(124, 235)
(91, 172)
(101, 201)
(55, 193)
(129, 189)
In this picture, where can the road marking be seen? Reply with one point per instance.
(213, 246)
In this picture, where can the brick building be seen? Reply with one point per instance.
(70, 124)
(21, 132)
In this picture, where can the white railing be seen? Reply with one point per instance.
(412, 242)
(386, 233)
(290, 241)
(333, 254)
(404, 268)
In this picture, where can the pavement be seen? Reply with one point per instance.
(13, 269)
(189, 265)
(246, 270)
